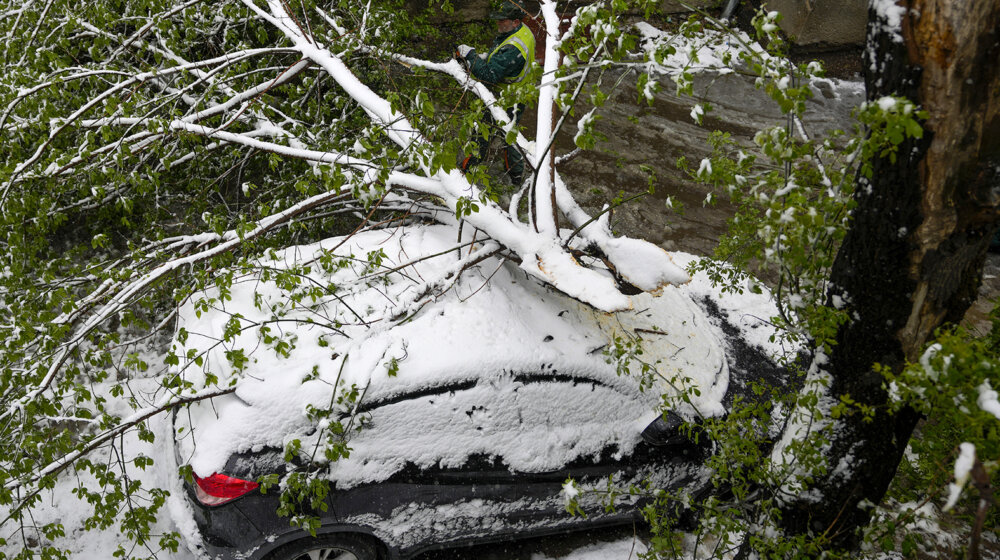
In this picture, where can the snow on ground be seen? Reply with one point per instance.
(624, 549)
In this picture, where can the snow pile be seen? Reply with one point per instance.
(492, 331)
(353, 319)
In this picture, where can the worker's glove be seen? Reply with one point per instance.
(464, 50)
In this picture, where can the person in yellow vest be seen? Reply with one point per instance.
(508, 61)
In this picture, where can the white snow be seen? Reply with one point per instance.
(887, 104)
(749, 312)
(582, 124)
(707, 53)
(923, 518)
(492, 325)
(925, 360)
(789, 187)
(697, 112)
(802, 423)
(60, 504)
(704, 168)
(631, 257)
(963, 468)
(623, 549)
(545, 216)
(570, 491)
(988, 399)
(891, 16)
(894, 392)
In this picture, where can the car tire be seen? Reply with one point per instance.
(336, 546)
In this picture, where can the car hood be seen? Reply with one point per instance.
(315, 319)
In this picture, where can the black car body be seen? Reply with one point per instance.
(421, 509)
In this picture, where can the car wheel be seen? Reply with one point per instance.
(342, 546)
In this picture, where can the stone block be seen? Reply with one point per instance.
(681, 6)
(820, 23)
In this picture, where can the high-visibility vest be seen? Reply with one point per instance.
(524, 41)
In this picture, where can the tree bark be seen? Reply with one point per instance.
(913, 258)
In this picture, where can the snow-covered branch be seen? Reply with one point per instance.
(166, 403)
(189, 98)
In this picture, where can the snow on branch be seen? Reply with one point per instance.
(125, 293)
(539, 248)
(541, 251)
(117, 88)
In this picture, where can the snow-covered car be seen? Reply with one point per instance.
(466, 399)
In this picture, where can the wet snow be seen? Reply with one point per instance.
(486, 332)
(963, 469)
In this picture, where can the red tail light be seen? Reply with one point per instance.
(219, 489)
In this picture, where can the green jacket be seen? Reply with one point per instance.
(510, 57)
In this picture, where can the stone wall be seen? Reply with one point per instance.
(679, 6)
(816, 23)
(465, 10)
(655, 136)
(823, 23)
(473, 10)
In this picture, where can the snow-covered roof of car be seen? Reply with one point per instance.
(327, 313)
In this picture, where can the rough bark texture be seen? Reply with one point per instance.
(913, 258)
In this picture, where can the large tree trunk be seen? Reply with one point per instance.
(913, 258)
